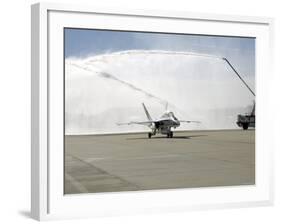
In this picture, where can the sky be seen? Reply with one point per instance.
(240, 51)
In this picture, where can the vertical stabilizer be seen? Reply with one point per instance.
(146, 112)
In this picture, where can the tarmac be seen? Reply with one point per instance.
(131, 162)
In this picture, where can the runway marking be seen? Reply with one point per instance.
(131, 158)
(76, 184)
(105, 172)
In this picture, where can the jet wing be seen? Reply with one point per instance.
(189, 121)
(138, 122)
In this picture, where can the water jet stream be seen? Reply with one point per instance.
(201, 86)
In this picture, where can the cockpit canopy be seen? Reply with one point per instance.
(169, 114)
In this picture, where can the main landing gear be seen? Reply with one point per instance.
(170, 134)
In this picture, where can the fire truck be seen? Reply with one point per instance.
(244, 120)
(247, 120)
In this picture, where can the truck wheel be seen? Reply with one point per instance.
(245, 126)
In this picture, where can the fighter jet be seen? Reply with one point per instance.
(163, 125)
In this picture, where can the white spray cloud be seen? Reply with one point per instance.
(107, 89)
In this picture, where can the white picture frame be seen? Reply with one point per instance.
(48, 201)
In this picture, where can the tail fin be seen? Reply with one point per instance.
(146, 112)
